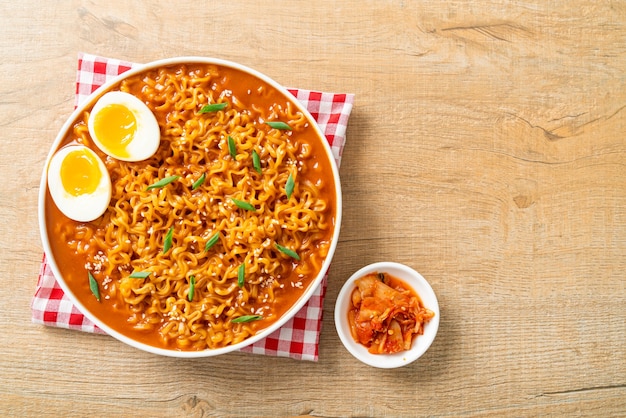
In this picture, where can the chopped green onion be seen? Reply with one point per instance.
(287, 251)
(256, 161)
(163, 182)
(139, 274)
(93, 285)
(289, 186)
(192, 287)
(246, 318)
(244, 205)
(212, 241)
(198, 182)
(167, 244)
(279, 125)
(241, 275)
(232, 148)
(214, 107)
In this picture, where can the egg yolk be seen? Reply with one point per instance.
(80, 173)
(115, 125)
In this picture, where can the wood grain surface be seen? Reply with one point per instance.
(486, 149)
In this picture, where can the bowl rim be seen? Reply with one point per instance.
(90, 100)
(420, 345)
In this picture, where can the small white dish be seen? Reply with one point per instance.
(420, 344)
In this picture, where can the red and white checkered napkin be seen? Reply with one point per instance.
(298, 338)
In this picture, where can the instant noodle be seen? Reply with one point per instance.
(217, 235)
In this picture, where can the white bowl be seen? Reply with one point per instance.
(420, 344)
(102, 324)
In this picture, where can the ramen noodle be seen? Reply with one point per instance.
(232, 242)
(385, 315)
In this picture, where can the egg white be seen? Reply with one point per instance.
(147, 135)
(84, 207)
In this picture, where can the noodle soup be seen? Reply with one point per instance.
(221, 235)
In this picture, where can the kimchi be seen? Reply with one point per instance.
(385, 314)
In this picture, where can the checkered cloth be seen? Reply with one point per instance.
(299, 337)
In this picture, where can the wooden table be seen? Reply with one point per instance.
(486, 149)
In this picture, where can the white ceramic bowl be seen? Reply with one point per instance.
(102, 324)
(420, 344)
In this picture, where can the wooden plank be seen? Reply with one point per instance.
(486, 149)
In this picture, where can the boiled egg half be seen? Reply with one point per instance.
(123, 127)
(79, 183)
